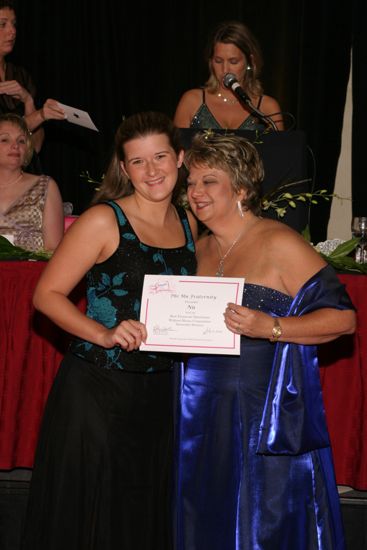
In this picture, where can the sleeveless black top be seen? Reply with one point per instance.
(114, 289)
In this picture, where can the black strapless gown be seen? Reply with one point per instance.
(228, 496)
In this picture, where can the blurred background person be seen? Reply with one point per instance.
(232, 48)
(31, 209)
(17, 91)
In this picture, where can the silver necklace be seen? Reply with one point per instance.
(220, 269)
(227, 99)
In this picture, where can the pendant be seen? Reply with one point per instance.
(220, 270)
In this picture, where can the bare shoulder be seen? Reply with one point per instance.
(99, 217)
(194, 95)
(269, 105)
(290, 254)
(53, 187)
(92, 238)
(187, 107)
(52, 183)
(97, 225)
(280, 239)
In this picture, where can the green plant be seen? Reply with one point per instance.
(280, 198)
(340, 257)
(10, 252)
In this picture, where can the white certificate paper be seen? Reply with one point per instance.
(184, 314)
(77, 116)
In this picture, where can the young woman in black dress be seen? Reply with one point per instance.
(102, 474)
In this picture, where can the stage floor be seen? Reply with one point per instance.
(14, 493)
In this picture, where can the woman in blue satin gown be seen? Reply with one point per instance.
(254, 464)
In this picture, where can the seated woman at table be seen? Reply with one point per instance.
(232, 48)
(254, 463)
(31, 210)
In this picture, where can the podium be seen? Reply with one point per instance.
(284, 155)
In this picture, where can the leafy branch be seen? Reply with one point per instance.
(281, 201)
(88, 178)
(10, 252)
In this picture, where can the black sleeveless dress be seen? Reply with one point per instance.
(103, 465)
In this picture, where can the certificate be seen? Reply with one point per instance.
(184, 314)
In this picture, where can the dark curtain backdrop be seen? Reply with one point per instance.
(113, 61)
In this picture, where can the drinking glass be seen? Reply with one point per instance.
(359, 230)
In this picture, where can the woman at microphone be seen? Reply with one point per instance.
(234, 102)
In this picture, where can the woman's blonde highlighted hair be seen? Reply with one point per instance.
(19, 121)
(234, 32)
(234, 155)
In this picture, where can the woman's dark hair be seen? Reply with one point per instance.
(234, 32)
(234, 155)
(115, 183)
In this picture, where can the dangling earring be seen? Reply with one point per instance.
(248, 68)
(240, 211)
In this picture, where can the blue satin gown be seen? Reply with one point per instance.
(229, 496)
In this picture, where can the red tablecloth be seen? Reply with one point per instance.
(344, 384)
(31, 348)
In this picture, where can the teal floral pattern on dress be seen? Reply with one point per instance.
(129, 236)
(100, 307)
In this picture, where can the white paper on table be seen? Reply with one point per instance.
(184, 314)
(10, 238)
(77, 116)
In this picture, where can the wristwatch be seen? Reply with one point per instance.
(276, 332)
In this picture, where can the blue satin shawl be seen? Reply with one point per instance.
(293, 420)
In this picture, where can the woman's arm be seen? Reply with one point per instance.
(290, 261)
(53, 217)
(317, 327)
(50, 110)
(90, 239)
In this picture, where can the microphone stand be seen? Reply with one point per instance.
(230, 81)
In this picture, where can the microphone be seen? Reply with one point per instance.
(230, 81)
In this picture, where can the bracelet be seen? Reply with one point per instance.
(276, 332)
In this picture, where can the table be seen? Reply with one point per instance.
(31, 348)
(343, 371)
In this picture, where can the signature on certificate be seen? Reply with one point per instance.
(209, 330)
(161, 331)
